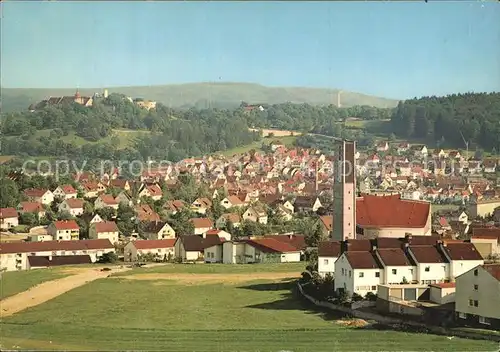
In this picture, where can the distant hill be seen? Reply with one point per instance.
(223, 95)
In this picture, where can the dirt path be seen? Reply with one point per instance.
(192, 279)
(51, 289)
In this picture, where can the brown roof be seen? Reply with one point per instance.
(234, 200)
(68, 189)
(32, 192)
(233, 217)
(391, 211)
(462, 251)
(108, 199)
(297, 241)
(74, 203)
(327, 221)
(194, 243)
(427, 254)
(362, 260)
(393, 257)
(31, 207)
(202, 223)
(66, 225)
(329, 249)
(46, 246)
(105, 226)
(388, 242)
(150, 244)
(358, 245)
(8, 213)
(152, 226)
(270, 245)
(42, 262)
(423, 240)
(445, 285)
(154, 190)
(493, 269)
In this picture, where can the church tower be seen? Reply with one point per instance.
(344, 191)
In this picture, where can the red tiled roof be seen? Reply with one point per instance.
(393, 257)
(358, 245)
(297, 241)
(493, 269)
(68, 189)
(270, 245)
(47, 246)
(31, 192)
(362, 260)
(74, 203)
(154, 190)
(202, 223)
(105, 226)
(66, 225)
(31, 207)
(391, 211)
(327, 221)
(150, 244)
(8, 213)
(329, 249)
(108, 199)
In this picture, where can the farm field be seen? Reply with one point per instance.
(259, 313)
(287, 140)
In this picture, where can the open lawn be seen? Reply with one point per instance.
(287, 141)
(13, 282)
(257, 315)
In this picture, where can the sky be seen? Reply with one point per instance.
(394, 50)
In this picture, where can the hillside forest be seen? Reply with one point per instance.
(174, 134)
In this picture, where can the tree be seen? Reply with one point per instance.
(109, 257)
(9, 193)
(106, 213)
(30, 219)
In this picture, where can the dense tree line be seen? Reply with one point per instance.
(446, 119)
(175, 134)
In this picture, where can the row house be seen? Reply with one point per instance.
(15, 256)
(64, 230)
(161, 249)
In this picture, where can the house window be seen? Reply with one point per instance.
(394, 271)
(471, 303)
(462, 315)
(476, 287)
(374, 288)
(350, 273)
(476, 303)
(361, 274)
(484, 320)
(325, 261)
(427, 268)
(377, 274)
(476, 272)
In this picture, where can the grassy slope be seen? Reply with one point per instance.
(288, 141)
(184, 94)
(13, 282)
(117, 314)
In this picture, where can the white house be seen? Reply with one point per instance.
(40, 238)
(397, 267)
(231, 201)
(328, 253)
(104, 230)
(462, 257)
(191, 248)
(44, 196)
(201, 205)
(158, 230)
(8, 218)
(357, 272)
(73, 206)
(432, 266)
(65, 192)
(64, 230)
(106, 201)
(14, 255)
(152, 191)
(161, 249)
(255, 214)
(201, 225)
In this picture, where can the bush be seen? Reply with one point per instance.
(370, 296)
(109, 257)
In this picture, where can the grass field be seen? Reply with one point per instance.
(257, 315)
(13, 282)
(287, 141)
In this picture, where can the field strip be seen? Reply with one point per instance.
(50, 289)
(212, 278)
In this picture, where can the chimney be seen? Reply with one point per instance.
(408, 237)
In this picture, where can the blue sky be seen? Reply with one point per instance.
(396, 50)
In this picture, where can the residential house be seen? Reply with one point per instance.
(462, 257)
(8, 218)
(328, 253)
(64, 230)
(201, 205)
(31, 207)
(120, 184)
(260, 250)
(223, 235)
(357, 272)
(486, 241)
(398, 269)
(231, 201)
(157, 230)
(213, 249)
(191, 248)
(145, 213)
(477, 297)
(490, 165)
(442, 293)
(255, 213)
(65, 192)
(482, 207)
(125, 198)
(305, 204)
(72, 206)
(151, 191)
(14, 255)
(104, 230)
(232, 218)
(174, 206)
(326, 224)
(91, 189)
(105, 201)
(382, 147)
(432, 265)
(40, 237)
(201, 225)
(162, 249)
(44, 196)
(36, 262)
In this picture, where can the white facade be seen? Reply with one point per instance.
(458, 267)
(360, 281)
(59, 192)
(213, 254)
(40, 238)
(64, 207)
(399, 274)
(326, 265)
(131, 253)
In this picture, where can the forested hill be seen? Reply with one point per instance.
(226, 95)
(444, 119)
